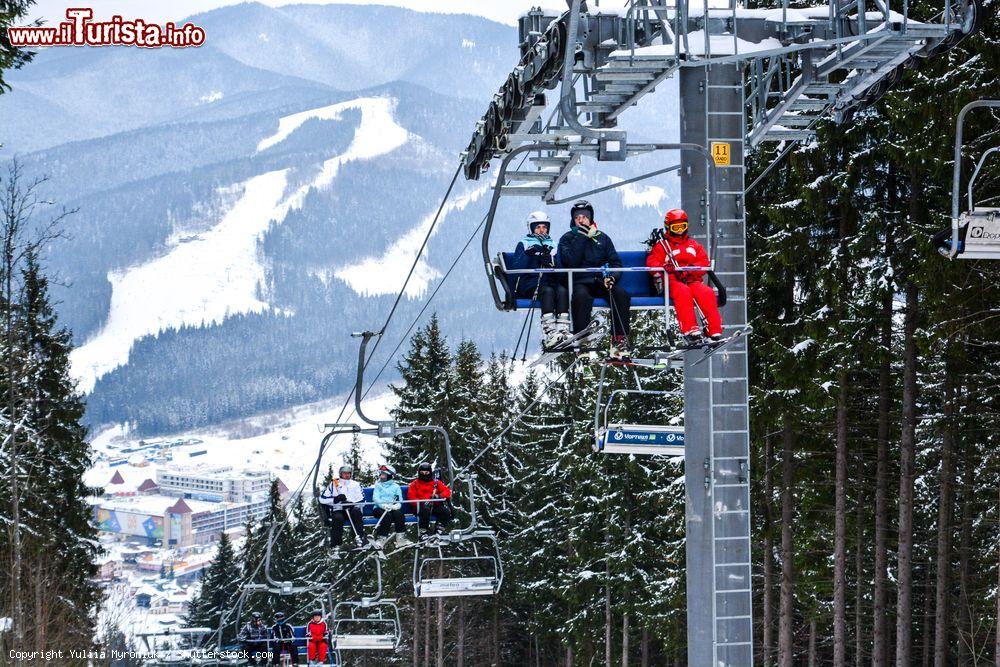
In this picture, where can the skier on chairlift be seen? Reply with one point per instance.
(388, 510)
(425, 487)
(674, 251)
(253, 638)
(283, 641)
(584, 246)
(316, 646)
(342, 500)
(536, 250)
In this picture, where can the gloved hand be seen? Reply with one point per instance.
(395, 506)
(592, 232)
(537, 250)
(340, 498)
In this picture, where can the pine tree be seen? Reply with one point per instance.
(12, 57)
(422, 399)
(57, 541)
(218, 593)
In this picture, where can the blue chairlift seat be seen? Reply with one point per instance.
(368, 509)
(638, 284)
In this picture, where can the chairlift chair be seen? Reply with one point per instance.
(161, 646)
(366, 625)
(974, 234)
(371, 623)
(611, 437)
(636, 276)
(485, 556)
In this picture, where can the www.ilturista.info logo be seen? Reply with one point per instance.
(81, 30)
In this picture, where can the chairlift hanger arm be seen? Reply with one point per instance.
(567, 95)
(619, 184)
(975, 173)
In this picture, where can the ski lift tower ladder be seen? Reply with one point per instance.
(746, 77)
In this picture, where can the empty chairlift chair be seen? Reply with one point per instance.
(618, 437)
(174, 647)
(459, 564)
(974, 234)
(368, 625)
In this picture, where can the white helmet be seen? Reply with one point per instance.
(538, 218)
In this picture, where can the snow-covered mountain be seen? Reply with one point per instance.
(244, 206)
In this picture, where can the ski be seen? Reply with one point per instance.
(592, 332)
(712, 347)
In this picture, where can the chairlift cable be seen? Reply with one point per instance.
(420, 252)
(517, 418)
(391, 356)
(350, 396)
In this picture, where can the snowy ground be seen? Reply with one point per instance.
(207, 277)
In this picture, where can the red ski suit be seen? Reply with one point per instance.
(421, 490)
(316, 645)
(687, 287)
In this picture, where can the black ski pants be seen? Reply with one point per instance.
(257, 652)
(338, 517)
(286, 648)
(553, 297)
(395, 520)
(439, 511)
(583, 304)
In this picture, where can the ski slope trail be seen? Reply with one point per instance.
(220, 273)
(376, 276)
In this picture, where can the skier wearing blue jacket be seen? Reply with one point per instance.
(584, 246)
(535, 251)
(388, 499)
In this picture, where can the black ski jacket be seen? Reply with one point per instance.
(579, 251)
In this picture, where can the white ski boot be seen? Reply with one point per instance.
(550, 331)
(404, 541)
(562, 327)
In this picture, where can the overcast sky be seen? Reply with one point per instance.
(504, 11)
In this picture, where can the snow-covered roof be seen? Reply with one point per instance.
(158, 505)
(148, 485)
(180, 507)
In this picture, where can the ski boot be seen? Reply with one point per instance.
(562, 327)
(550, 332)
(619, 347)
(694, 338)
(713, 338)
(403, 541)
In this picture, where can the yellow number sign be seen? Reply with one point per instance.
(720, 153)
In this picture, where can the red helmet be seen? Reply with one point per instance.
(675, 215)
(676, 222)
